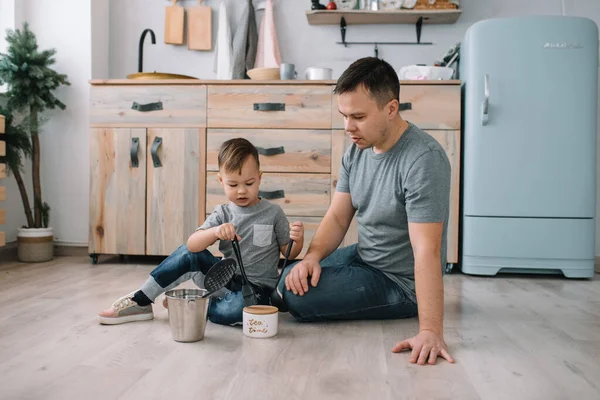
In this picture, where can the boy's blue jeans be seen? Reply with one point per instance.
(348, 289)
(225, 307)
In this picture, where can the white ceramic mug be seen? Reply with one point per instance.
(260, 321)
(318, 74)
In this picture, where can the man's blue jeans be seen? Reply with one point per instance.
(348, 289)
(182, 265)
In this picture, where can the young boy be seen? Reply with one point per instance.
(261, 228)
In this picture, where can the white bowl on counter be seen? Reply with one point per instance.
(425, 72)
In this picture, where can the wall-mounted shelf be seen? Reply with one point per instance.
(368, 17)
(364, 17)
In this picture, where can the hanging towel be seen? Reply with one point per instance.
(245, 43)
(267, 55)
(223, 62)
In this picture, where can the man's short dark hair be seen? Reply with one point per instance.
(377, 76)
(233, 154)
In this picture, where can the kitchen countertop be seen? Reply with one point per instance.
(108, 82)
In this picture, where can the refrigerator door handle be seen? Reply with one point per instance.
(486, 100)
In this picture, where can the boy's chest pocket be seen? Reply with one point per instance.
(262, 235)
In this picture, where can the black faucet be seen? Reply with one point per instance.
(141, 48)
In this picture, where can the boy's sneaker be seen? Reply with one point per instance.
(125, 310)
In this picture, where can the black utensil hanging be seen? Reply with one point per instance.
(219, 275)
(276, 298)
(248, 290)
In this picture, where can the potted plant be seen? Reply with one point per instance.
(30, 82)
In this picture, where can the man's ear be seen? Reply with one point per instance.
(260, 175)
(220, 179)
(393, 108)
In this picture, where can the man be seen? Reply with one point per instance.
(396, 178)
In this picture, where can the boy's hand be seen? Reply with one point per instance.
(297, 231)
(226, 232)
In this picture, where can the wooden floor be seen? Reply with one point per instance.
(513, 337)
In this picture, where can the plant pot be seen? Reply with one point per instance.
(35, 245)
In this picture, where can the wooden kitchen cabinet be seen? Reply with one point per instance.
(269, 106)
(280, 150)
(295, 125)
(450, 141)
(291, 127)
(117, 192)
(430, 105)
(147, 189)
(175, 189)
(436, 108)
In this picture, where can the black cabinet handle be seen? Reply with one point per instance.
(269, 106)
(154, 151)
(133, 152)
(404, 106)
(275, 194)
(147, 107)
(273, 151)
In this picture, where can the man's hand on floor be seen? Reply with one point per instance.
(426, 347)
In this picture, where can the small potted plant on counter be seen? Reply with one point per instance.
(30, 81)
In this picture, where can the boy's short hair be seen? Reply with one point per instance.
(377, 76)
(234, 152)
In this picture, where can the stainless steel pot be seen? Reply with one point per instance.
(188, 313)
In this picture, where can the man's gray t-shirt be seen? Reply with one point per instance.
(408, 183)
(263, 228)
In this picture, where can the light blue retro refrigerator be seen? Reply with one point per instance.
(530, 89)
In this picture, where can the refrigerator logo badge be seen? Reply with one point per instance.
(562, 46)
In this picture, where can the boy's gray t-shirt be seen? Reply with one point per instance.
(263, 229)
(408, 183)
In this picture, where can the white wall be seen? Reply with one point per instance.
(65, 138)
(64, 141)
(301, 43)
(115, 30)
(100, 38)
(14, 215)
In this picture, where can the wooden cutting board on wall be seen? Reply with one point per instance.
(199, 27)
(174, 23)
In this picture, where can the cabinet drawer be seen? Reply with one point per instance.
(431, 106)
(148, 106)
(280, 150)
(310, 228)
(293, 107)
(297, 194)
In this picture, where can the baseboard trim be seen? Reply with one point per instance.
(68, 249)
(61, 249)
(74, 249)
(9, 251)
